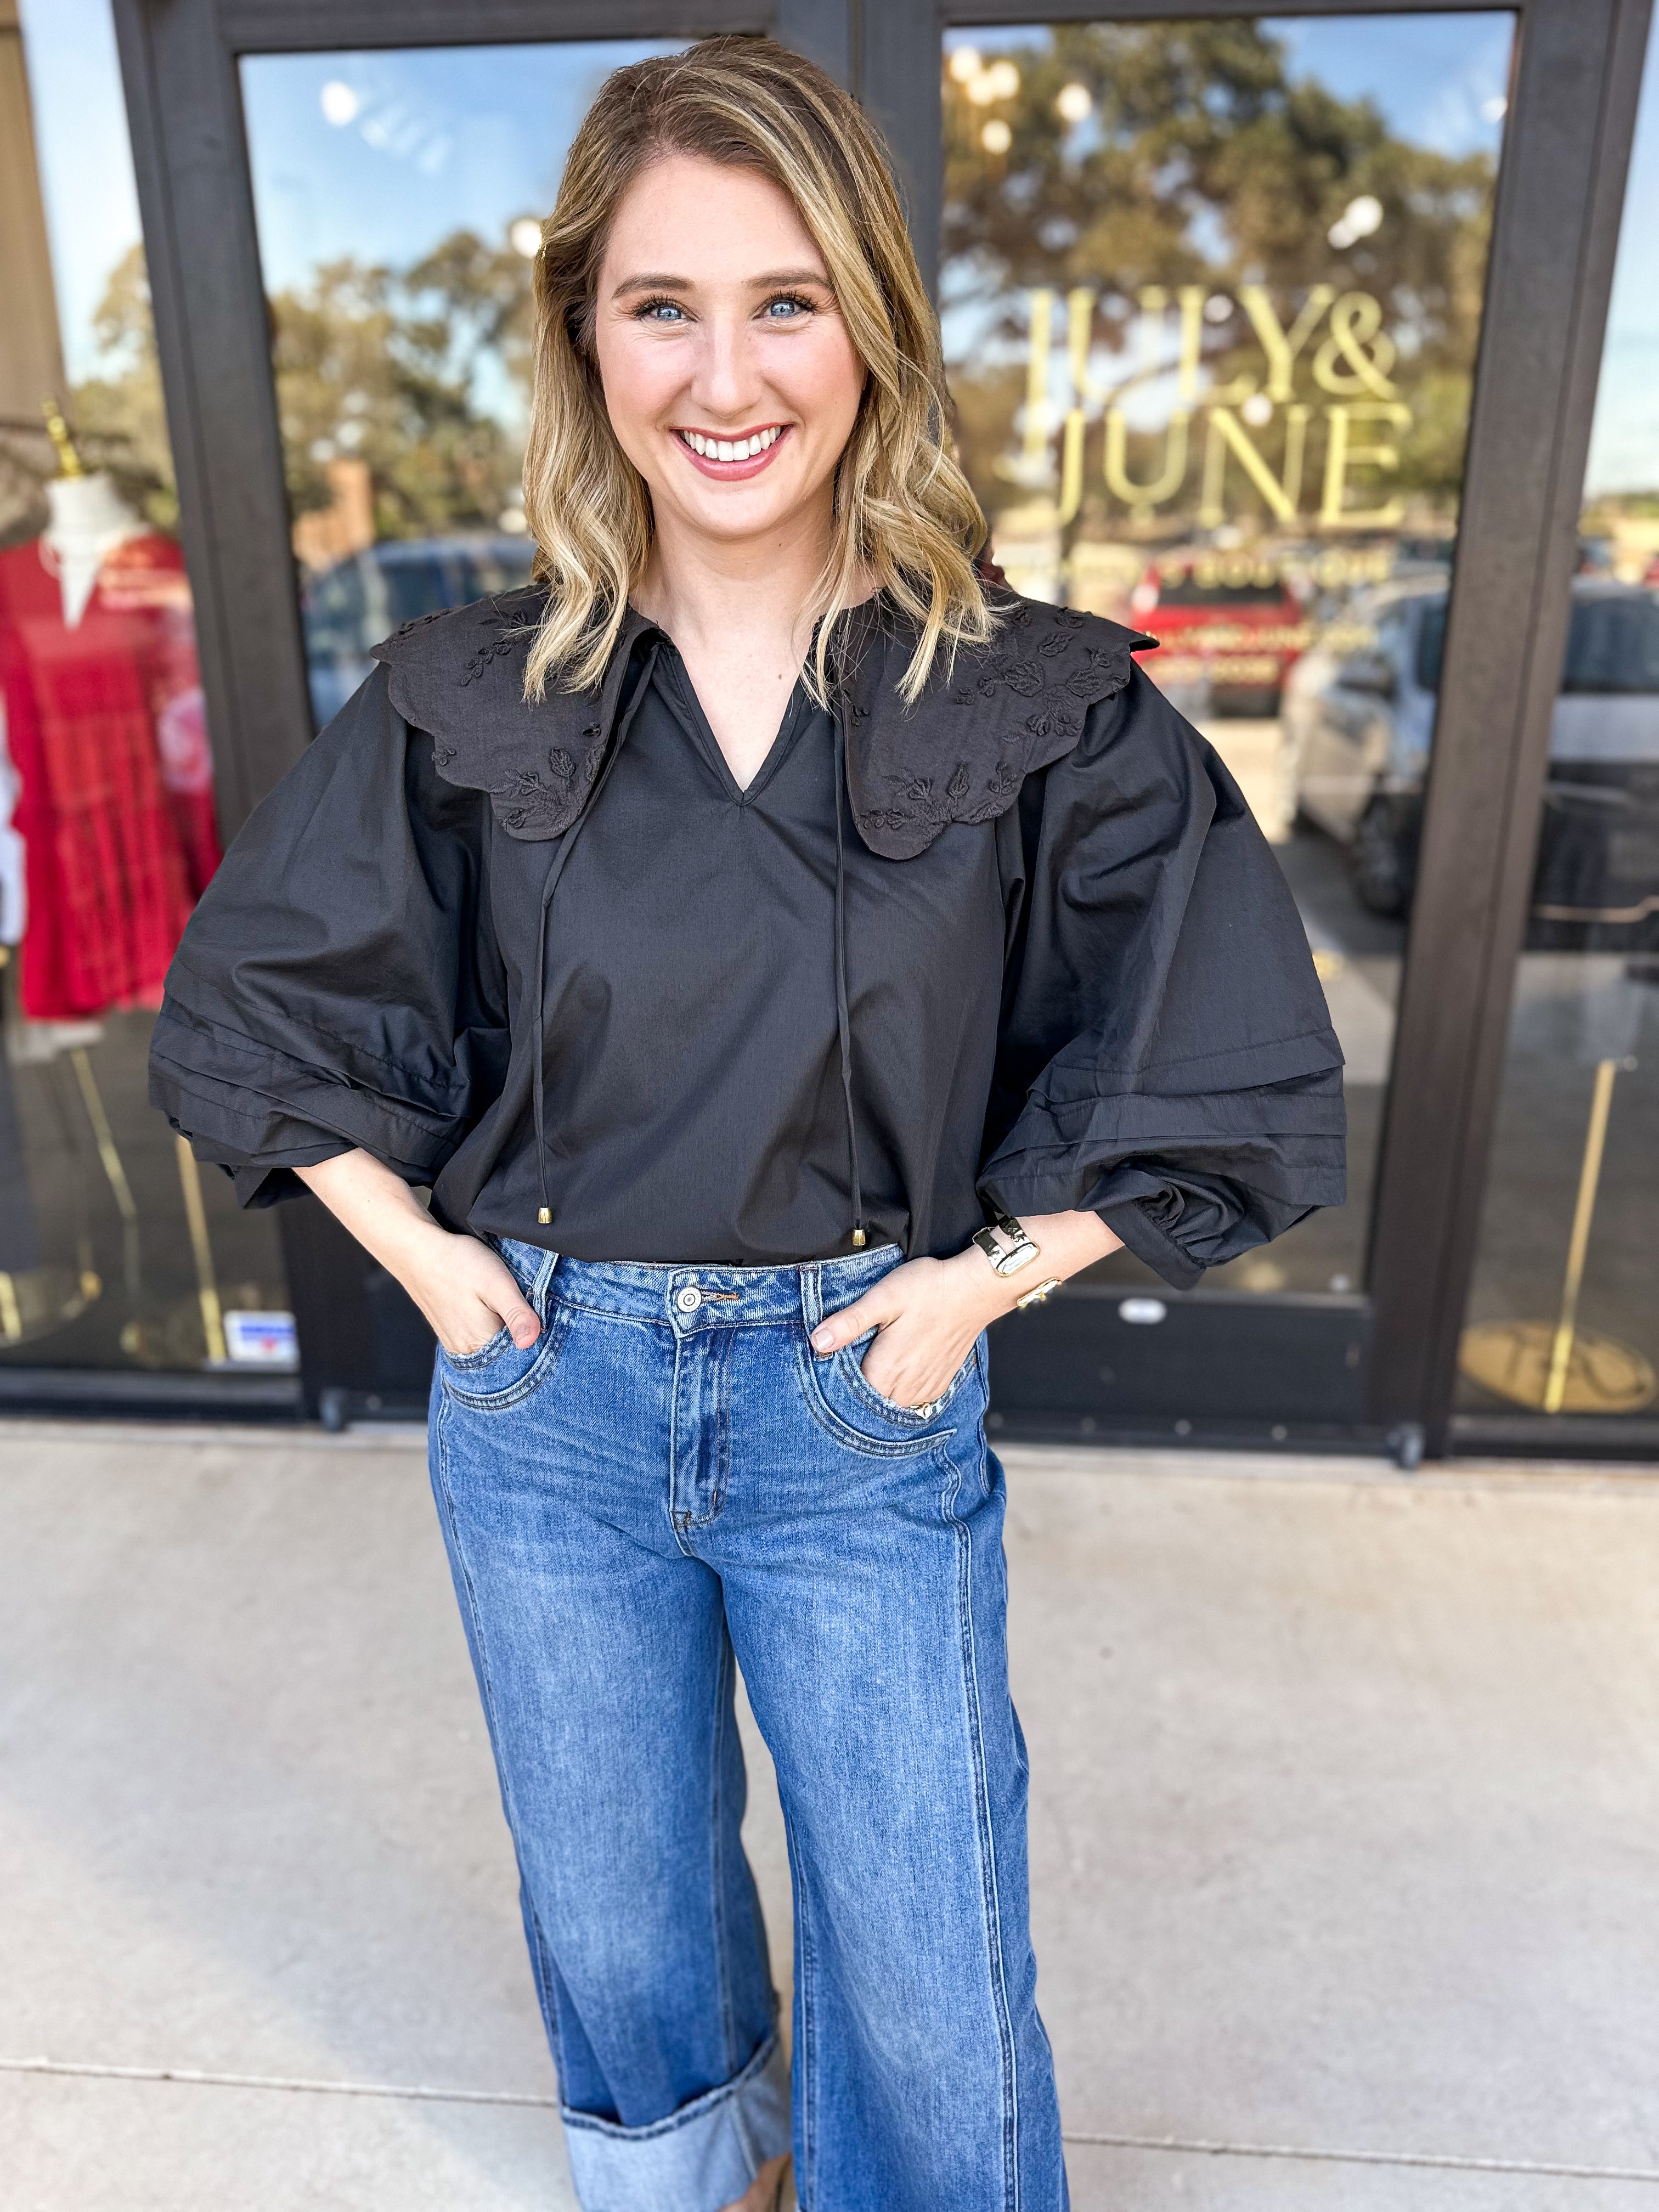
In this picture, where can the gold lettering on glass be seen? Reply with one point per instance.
(1356, 323)
(1225, 432)
(1238, 421)
(1039, 337)
(1279, 345)
(1341, 454)
(1140, 499)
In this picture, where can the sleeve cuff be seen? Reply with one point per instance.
(1129, 1220)
(268, 1182)
(259, 1114)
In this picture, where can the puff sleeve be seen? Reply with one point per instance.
(1165, 1056)
(334, 987)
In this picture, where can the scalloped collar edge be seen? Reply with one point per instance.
(990, 716)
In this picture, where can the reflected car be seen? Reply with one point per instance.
(1228, 620)
(1358, 723)
(347, 608)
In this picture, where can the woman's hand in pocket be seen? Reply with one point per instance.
(463, 1288)
(467, 1293)
(927, 1315)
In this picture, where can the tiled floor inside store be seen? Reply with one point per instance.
(1344, 1835)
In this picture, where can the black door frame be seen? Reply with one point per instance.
(1560, 197)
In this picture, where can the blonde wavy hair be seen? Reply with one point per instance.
(903, 509)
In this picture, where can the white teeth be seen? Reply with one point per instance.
(731, 449)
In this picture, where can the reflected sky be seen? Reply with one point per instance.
(380, 156)
(1441, 81)
(86, 167)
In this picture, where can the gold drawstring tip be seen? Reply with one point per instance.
(860, 1240)
(544, 1215)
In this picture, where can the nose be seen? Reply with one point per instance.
(725, 385)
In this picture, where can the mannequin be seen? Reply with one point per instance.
(89, 520)
(108, 741)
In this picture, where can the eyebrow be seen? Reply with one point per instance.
(654, 280)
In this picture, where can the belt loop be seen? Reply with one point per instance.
(812, 1294)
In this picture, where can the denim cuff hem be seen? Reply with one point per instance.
(697, 2159)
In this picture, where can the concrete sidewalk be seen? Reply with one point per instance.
(1344, 1835)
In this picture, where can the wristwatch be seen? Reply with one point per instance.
(1014, 1251)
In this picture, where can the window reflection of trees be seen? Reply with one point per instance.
(117, 418)
(420, 374)
(417, 373)
(1130, 160)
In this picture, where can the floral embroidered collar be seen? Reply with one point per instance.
(960, 753)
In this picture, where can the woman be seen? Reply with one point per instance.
(720, 929)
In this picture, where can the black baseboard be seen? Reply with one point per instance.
(1554, 1435)
(97, 1393)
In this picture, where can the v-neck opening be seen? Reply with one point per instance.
(673, 665)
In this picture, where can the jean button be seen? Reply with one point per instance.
(689, 1299)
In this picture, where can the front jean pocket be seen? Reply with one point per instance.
(850, 1358)
(465, 1363)
(501, 1373)
(858, 1415)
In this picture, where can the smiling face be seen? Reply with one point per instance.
(729, 377)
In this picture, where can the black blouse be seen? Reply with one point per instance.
(1071, 974)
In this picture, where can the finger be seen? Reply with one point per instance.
(910, 1390)
(902, 1390)
(852, 1321)
(517, 1317)
(522, 1322)
(892, 1373)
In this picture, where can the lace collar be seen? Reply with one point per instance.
(960, 753)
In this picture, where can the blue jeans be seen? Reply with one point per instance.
(666, 1483)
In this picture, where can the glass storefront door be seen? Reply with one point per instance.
(116, 1252)
(1562, 1331)
(1211, 295)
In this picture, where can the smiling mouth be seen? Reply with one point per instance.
(724, 453)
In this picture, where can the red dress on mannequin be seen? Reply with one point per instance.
(106, 729)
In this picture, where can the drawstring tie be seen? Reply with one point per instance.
(544, 1212)
(844, 1027)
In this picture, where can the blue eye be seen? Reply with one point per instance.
(659, 311)
(788, 308)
